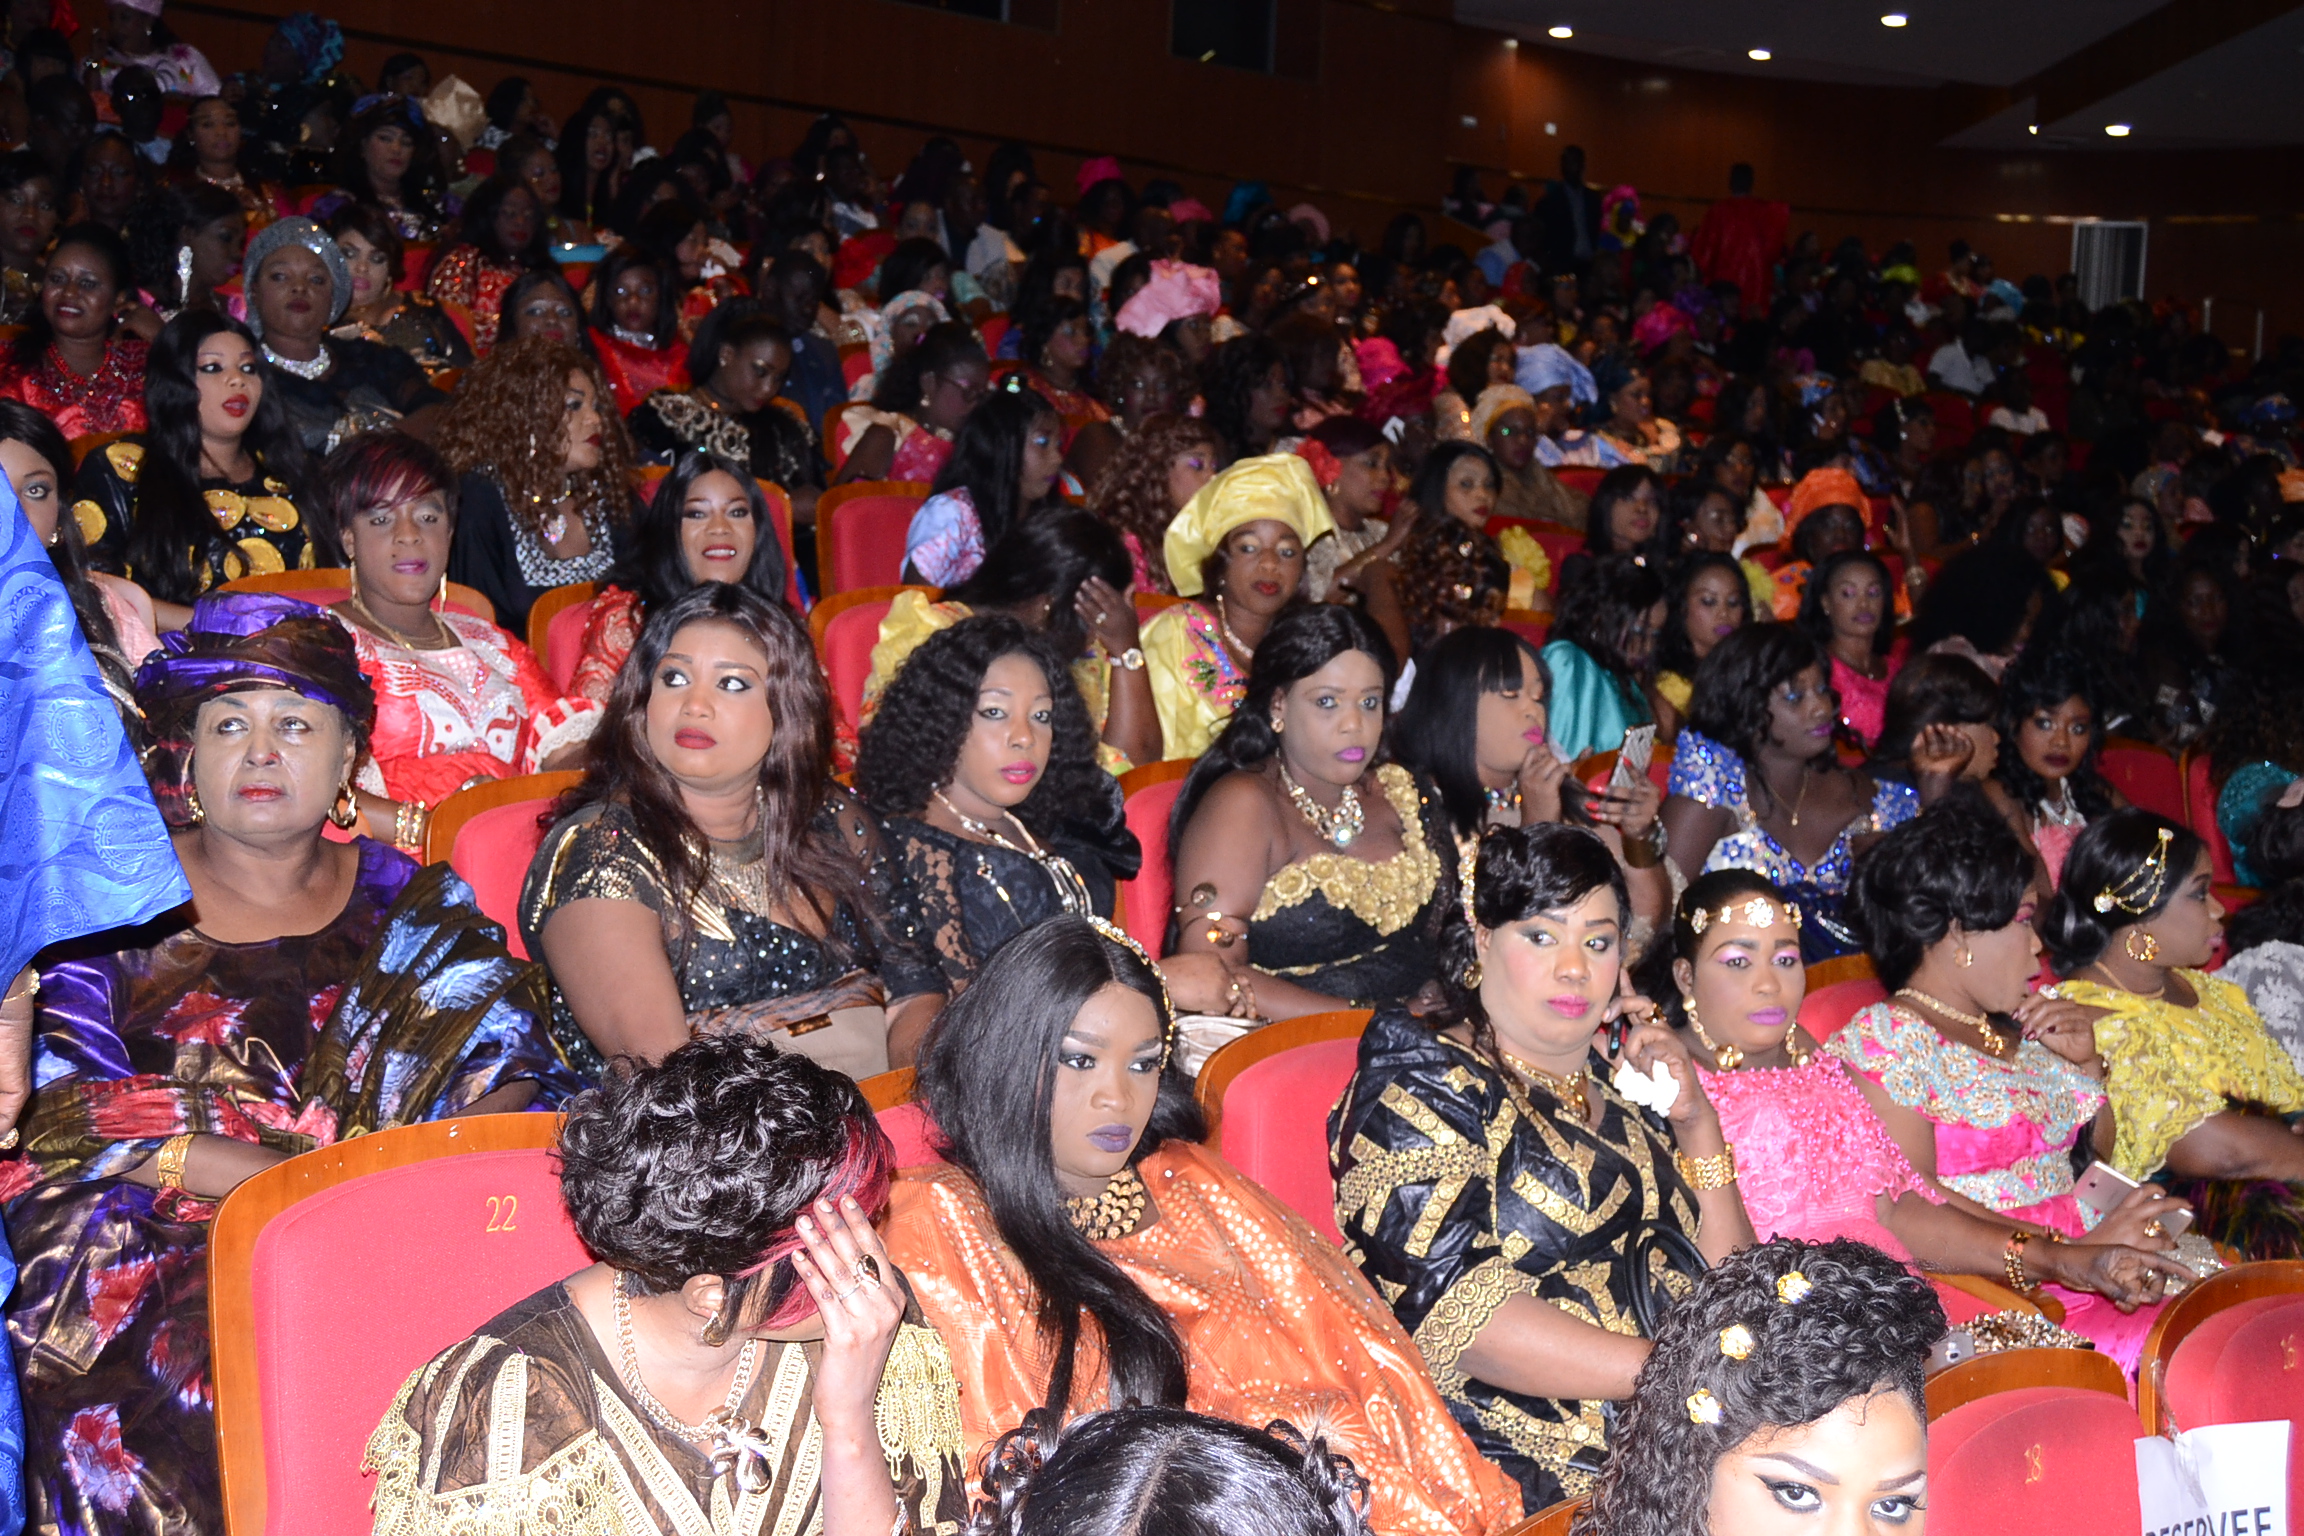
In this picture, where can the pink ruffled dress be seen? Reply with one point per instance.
(2004, 1136)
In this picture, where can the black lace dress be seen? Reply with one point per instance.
(1351, 928)
(975, 897)
(726, 950)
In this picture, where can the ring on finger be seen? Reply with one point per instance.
(844, 1295)
(2154, 1229)
(867, 1270)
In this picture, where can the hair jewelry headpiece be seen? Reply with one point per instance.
(1127, 941)
(1760, 912)
(2140, 892)
(1467, 875)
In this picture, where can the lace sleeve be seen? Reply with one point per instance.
(884, 906)
(595, 855)
(936, 889)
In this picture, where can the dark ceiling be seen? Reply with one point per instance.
(2180, 73)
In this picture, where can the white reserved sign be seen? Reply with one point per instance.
(2219, 1480)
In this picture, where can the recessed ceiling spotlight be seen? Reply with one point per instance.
(2117, 130)
(1758, 55)
(1894, 19)
(1563, 33)
(1511, 43)
(2033, 129)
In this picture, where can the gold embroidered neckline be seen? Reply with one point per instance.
(1385, 895)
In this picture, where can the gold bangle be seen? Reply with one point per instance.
(2012, 1263)
(31, 988)
(173, 1152)
(1708, 1173)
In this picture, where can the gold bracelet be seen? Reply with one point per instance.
(1708, 1173)
(2012, 1263)
(31, 988)
(173, 1152)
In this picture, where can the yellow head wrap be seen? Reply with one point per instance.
(1279, 486)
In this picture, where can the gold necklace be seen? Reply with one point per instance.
(630, 1350)
(1568, 1088)
(1996, 1045)
(2150, 997)
(1071, 890)
(1339, 826)
(1801, 798)
(1111, 1214)
(441, 632)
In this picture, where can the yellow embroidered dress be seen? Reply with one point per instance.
(1358, 929)
(2170, 1068)
(527, 1429)
(915, 615)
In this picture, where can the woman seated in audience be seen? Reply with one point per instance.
(1818, 1416)
(708, 521)
(546, 496)
(1626, 511)
(892, 330)
(1818, 1163)
(1056, 345)
(388, 159)
(208, 492)
(540, 303)
(1705, 601)
(1451, 573)
(2255, 749)
(375, 257)
(739, 360)
(1475, 727)
(1245, 385)
(1826, 516)
(1848, 611)
(1352, 461)
(1003, 468)
(1241, 541)
(707, 875)
(982, 765)
(1338, 874)
(2049, 777)
(742, 1344)
(185, 242)
(1062, 573)
(2198, 1086)
(1600, 653)
(1510, 423)
(1076, 1204)
(1206, 1477)
(633, 317)
(1705, 516)
(2264, 942)
(503, 228)
(1633, 429)
(115, 615)
(215, 149)
(75, 361)
(1984, 1086)
(311, 992)
(1755, 784)
(1517, 1272)
(299, 286)
(28, 190)
(1939, 727)
(904, 432)
(458, 700)
(1155, 472)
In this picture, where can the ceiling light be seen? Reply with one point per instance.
(1563, 33)
(2117, 130)
(1758, 55)
(1894, 19)
(1511, 43)
(2033, 129)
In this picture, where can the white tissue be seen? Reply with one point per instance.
(1658, 1089)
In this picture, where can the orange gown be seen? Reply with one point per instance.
(1275, 1322)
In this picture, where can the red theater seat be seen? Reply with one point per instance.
(490, 833)
(2149, 777)
(860, 529)
(1145, 902)
(846, 626)
(556, 623)
(1267, 1097)
(335, 1274)
(2037, 1458)
(2175, 1379)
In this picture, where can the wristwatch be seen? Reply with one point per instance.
(1130, 660)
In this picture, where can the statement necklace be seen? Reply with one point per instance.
(732, 1441)
(307, 368)
(1112, 1214)
(1071, 890)
(1339, 826)
(445, 636)
(639, 339)
(1568, 1089)
(1996, 1045)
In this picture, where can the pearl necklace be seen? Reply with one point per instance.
(308, 368)
(1113, 1213)
(1240, 647)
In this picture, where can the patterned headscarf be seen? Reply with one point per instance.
(1276, 485)
(238, 642)
(318, 43)
(1821, 488)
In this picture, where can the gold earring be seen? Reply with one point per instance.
(1728, 1056)
(192, 806)
(1279, 724)
(346, 811)
(1798, 1058)
(1472, 977)
(1966, 959)
(2151, 947)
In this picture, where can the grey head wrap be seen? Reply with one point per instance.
(296, 231)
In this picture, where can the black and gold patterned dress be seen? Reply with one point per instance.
(1457, 1189)
(1355, 928)
(259, 529)
(527, 1429)
(727, 949)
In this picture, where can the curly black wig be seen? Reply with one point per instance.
(1734, 684)
(1862, 1327)
(2107, 856)
(913, 743)
(701, 1165)
(2039, 683)
(1956, 862)
(1135, 1471)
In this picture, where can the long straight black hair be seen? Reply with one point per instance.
(173, 532)
(987, 459)
(1437, 732)
(656, 568)
(987, 1077)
